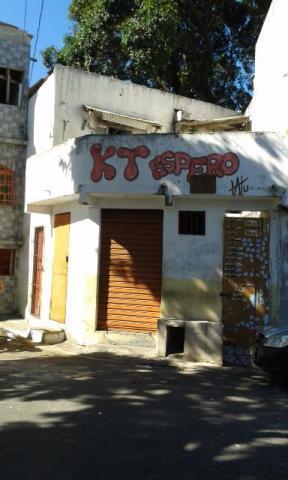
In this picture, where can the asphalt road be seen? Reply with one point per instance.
(90, 417)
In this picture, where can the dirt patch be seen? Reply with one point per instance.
(16, 344)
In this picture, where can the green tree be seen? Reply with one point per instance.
(199, 48)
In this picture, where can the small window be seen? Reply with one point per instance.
(10, 86)
(7, 261)
(191, 223)
(7, 186)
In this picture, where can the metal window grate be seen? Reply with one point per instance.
(7, 186)
(192, 223)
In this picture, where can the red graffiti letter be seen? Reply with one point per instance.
(214, 164)
(100, 166)
(196, 166)
(182, 162)
(230, 163)
(161, 165)
(131, 170)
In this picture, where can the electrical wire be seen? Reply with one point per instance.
(37, 37)
(25, 14)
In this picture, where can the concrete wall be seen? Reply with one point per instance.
(69, 89)
(260, 166)
(15, 54)
(82, 272)
(41, 115)
(192, 265)
(270, 101)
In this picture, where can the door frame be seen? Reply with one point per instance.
(35, 278)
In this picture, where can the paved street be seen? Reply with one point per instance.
(96, 416)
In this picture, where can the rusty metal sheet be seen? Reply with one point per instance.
(130, 270)
(245, 296)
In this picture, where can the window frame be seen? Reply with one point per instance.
(7, 182)
(189, 224)
(7, 268)
(9, 82)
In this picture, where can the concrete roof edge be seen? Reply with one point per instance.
(59, 66)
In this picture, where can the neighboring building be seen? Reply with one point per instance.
(269, 107)
(14, 70)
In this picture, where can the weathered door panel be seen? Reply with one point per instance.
(130, 270)
(60, 267)
(37, 271)
(245, 299)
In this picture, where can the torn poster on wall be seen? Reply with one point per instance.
(166, 163)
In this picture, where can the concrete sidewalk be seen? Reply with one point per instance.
(15, 342)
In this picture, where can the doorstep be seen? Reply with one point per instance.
(36, 332)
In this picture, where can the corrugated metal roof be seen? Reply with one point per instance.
(121, 115)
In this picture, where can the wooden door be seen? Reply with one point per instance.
(245, 278)
(60, 267)
(130, 270)
(37, 271)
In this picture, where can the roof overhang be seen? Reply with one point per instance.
(106, 118)
(234, 123)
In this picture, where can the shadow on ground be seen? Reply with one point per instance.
(94, 417)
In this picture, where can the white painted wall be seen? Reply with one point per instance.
(61, 173)
(68, 89)
(83, 266)
(41, 117)
(192, 265)
(270, 101)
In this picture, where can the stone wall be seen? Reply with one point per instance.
(14, 54)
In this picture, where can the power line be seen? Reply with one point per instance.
(25, 14)
(37, 37)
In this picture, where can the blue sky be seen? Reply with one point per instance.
(53, 26)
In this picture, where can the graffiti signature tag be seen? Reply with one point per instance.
(239, 186)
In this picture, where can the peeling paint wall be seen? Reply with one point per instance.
(102, 165)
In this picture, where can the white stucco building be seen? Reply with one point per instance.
(154, 223)
(269, 106)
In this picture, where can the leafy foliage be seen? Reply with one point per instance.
(201, 49)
